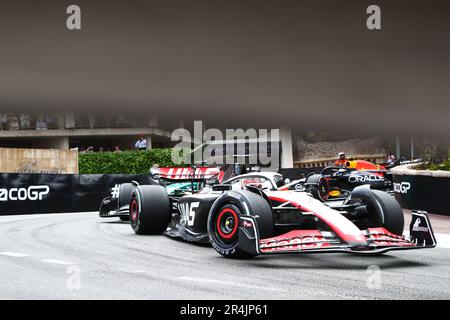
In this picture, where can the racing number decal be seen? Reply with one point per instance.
(187, 212)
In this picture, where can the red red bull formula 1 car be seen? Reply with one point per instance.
(337, 182)
(248, 215)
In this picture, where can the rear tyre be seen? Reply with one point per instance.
(149, 210)
(223, 221)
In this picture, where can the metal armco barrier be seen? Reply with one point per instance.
(47, 193)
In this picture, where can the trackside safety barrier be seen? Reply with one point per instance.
(422, 189)
(47, 193)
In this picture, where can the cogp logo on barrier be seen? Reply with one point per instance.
(402, 187)
(32, 193)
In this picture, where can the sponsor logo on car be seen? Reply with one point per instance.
(417, 227)
(402, 187)
(365, 178)
(335, 193)
(247, 224)
(297, 243)
(32, 193)
(187, 212)
(188, 173)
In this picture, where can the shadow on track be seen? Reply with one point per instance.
(116, 222)
(332, 262)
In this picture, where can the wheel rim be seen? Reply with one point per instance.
(226, 225)
(134, 210)
(323, 190)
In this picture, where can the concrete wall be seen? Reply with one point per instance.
(14, 160)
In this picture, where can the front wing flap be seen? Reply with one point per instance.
(109, 208)
(378, 240)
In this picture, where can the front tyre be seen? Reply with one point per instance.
(224, 217)
(391, 213)
(382, 210)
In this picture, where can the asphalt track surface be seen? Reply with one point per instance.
(81, 256)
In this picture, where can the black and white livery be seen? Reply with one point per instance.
(251, 214)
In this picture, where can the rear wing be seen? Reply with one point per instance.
(187, 173)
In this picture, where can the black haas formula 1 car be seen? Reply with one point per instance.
(245, 217)
(337, 182)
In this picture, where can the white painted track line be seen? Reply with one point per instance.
(65, 263)
(443, 240)
(13, 254)
(19, 217)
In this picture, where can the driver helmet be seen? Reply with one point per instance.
(154, 171)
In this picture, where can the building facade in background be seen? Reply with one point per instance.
(91, 132)
(83, 131)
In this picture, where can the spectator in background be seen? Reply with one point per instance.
(3, 122)
(141, 144)
(41, 124)
(51, 122)
(341, 161)
(117, 149)
(25, 121)
(390, 158)
(14, 123)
